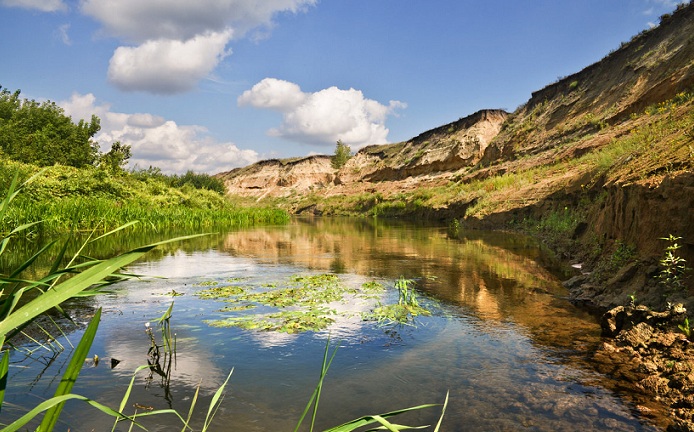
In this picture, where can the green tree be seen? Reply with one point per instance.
(116, 158)
(342, 154)
(41, 133)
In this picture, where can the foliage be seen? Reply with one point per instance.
(362, 421)
(115, 160)
(198, 181)
(673, 267)
(301, 302)
(41, 133)
(343, 153)
(405, 310)
(88, 275)
(66, 198)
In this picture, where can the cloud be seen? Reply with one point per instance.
(167, 66)
(176, 43)
(158, 142)
(41, 5)
(63, 34)
(171, 44)
(273, 94)
(323, 117)
(139, 21)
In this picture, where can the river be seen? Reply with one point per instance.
(501, 340)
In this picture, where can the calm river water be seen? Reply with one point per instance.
(502, 339)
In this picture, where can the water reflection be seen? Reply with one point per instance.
(497, 277)
(500, 340)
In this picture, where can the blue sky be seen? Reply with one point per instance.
(210, 85)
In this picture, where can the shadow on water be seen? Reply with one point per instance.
(503, 339)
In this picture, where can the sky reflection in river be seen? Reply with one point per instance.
(500, 341)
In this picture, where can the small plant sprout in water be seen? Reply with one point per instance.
(406, 309)
(685, 328)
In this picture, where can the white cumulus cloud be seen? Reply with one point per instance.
(167, 66)
(138, 20)
(176, 43)
(41, 5)
(158, 142)
(322, 117)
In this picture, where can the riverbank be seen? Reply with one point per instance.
(67, 199)
(650, 352)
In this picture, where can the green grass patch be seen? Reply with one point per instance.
(69, 199)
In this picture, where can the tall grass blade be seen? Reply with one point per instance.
(372, 419)
(75, 285)
(214, 403)
(4, 369)
(126, 396)
(72, 371)
(31, 260)
(20, 423)
(17, 230)
(192, 406)
(11, 193)
(316, 393)
(115, 230)
(443, 411)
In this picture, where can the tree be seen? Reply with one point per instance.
(41, 133)
(342, 154)
(116, 158)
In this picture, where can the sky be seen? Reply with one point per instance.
(211, 85)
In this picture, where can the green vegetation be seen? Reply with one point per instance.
(362, 421)
(304, 303)
(80, 189)
(674, 268)
(115, 160)
(300, 303)
(71, 199)
(342, 154)
(686, 329)
(46, 293)
(405, 310)
(41, 133)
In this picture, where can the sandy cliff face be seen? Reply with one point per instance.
(437, 152)
(276, 177)
(445, 149)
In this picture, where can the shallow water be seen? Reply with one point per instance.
(502, 338)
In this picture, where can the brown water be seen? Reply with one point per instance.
(502, 339)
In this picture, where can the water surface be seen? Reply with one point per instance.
(502, 339)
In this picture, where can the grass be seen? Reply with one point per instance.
(405, 310)
(69, 199)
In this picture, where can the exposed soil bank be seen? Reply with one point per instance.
(651, 355)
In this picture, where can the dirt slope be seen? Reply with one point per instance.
(609, 149)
